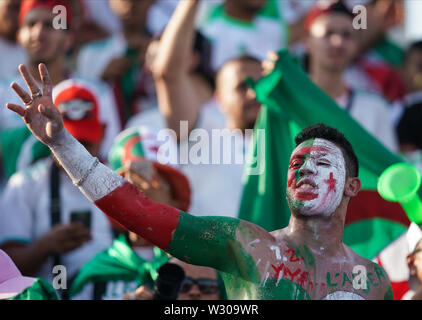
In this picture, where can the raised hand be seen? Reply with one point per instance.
(40, 115)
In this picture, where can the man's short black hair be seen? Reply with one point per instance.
(325, 132)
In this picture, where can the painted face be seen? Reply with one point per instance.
(316, 178)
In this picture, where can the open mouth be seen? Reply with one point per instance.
(306, 184)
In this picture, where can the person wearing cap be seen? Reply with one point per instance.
(14, 286)
(45, 221)
(331, 44)
(131, 261)
(44, 42)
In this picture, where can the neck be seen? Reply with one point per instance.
(55, 70)
(235, 11)
(321, 235)
(330, 81)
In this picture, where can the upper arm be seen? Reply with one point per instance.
(217, 242)
(178, 101)
(205, 241)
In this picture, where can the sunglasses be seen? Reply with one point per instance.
(205, 285)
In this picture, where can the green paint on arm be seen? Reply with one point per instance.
(211, 241)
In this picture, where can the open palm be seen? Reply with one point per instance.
(40, 115)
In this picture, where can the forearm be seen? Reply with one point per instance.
(204, 241)
(176, 42)
(29, 258)
(177, 97)
(114, 195)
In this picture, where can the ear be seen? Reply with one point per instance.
(352, 187)
(410, 260)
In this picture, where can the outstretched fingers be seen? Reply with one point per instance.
(16, 108)
(23, 95)
(46, 80)
(29, 79)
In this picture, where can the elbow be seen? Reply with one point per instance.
(164, 74)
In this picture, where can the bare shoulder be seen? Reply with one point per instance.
(376, 278)
(377, 275)
(250, 234)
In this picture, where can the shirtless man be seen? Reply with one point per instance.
(306, 260)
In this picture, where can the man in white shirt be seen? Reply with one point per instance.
(331, 44)
(237, 28)
(43, 43)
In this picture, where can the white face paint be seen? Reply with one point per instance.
(316, 178)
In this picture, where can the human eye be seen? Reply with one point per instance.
(323, 162)
(296, 163)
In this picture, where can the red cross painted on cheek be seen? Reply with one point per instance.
(331, 183)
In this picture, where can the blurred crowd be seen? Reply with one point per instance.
(124, 69)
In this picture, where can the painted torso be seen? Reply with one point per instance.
(279, 268)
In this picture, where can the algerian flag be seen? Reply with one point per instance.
(292, 102)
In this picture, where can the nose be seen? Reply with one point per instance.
(194, 293)
(336, 40)
(307, 168)
(37, 30)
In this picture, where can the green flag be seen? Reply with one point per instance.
(119, 262)
(20, 148)
(40, 290)
(292, 102)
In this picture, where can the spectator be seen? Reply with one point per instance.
(237, 28)
(11, 52)
(378, 57)
(181, 68)
(39, 224)
(44, 43)
(331, 45)
(119, 59)
(410, 110)
(200, 283)
(132, 261)
(183, 95)
(414, 262)
(13, 286)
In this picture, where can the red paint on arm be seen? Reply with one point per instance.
(132, 209)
